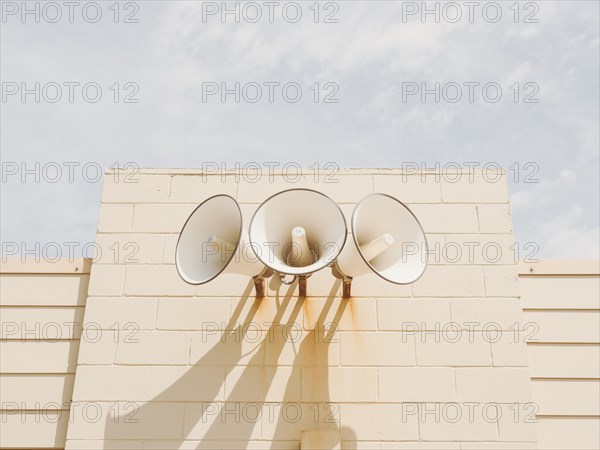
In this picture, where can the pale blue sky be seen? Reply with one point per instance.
(373, 51)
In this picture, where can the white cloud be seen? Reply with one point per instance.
(567, 236)
(369, 54)
(543, 193)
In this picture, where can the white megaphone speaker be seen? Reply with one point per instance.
(387, 239)
(297, 232)
(212, 240)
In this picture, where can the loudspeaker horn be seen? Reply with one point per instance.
(387, 239)
(213, 241)
(298, 232)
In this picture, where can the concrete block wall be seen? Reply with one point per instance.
(435, 364)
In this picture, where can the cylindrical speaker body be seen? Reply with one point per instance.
(401, 259)
(273, 222)
(214, 241)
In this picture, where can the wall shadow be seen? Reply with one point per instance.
(311, 353)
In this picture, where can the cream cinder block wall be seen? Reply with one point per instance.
(41, 315)
(560, 299)
(561, 304)
(179, 366)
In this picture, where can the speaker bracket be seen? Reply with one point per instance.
(302, 286)
(259, 282)
(347, 288)
(346, 281)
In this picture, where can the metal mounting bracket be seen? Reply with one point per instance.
(259, 282)
(302, 286)
(346, 281)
